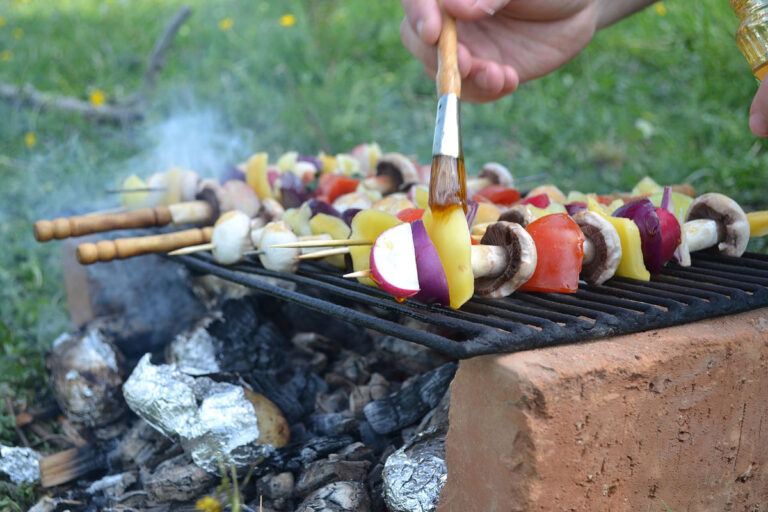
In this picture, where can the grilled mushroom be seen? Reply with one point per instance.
(493, 173)
(602, 247)
(278, 259)
(519, 214)
(498, 273)
(393, 172)
(231, 237)
(715, 219)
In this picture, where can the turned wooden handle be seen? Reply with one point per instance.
(78, 226)
(448, 77)
(121, 248)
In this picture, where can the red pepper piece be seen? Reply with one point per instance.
(539, 201)
(498, 194)
(331, 186)
(560, 250)
(410, 214)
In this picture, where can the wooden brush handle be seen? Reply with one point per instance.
(448, 76)
(77, 226)
(121, 248)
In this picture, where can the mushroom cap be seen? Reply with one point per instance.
(521, 259)
(242, 197)
(231, 237)
(398, 167)
(732, 223)
(606, 246)
(211, 192)
(519, 214)
(497, 173)
(279, 259)
(272, 209)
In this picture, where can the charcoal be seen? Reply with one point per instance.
(113, 486)
(177, 479)
(275, 487)
(337, 401)
(338, 497)
(330, 424)
(352, 366)
(315, 342)
(296, 397)
(325, 471)
(411, 358)
(409, 404)
(86, 375)
(437, 418)
(378, 442)
(356, 451)
(140, 444)
(348, 335)
(296, 455)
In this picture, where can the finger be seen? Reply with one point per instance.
(424, 18)
(427, 54)
(758, 112)
(489, 81)
(472, 10)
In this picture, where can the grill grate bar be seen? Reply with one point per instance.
(714, 285)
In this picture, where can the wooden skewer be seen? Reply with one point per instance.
(325, 253)
(360, 273)
(192, 249)
(121, 248)
(321, 243)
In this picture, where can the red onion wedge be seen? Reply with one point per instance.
(670, 233)
(317, 206)
(643, 213)
(393, 262)
(432, 280)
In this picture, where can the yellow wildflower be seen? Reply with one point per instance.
(287, 20)
(30, 140)
(5, 55)
(18, 33)
(226, 24)
(661, 9)
(2, 21)
(97, 98)
(208, 504)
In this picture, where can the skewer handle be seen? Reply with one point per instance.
(121, 248)
(77, 226)
(448, 77)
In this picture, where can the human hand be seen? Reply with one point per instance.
(758, 112)
(501, 42)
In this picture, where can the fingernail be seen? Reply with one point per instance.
(758, 125)
(480, 4)
(419, 27)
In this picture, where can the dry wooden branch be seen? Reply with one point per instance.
(38, 99)
(156, 59)
(127, 111)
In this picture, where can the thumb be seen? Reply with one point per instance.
(758, 112)
(472, 10)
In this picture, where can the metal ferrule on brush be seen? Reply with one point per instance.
(448, 127)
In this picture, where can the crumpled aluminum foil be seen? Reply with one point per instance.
(415, 474)
(20, 464)
(213, 421)
(86, 377)
(194, 352)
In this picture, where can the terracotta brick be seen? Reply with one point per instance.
(677, 416)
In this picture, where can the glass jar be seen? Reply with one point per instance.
(752, 34)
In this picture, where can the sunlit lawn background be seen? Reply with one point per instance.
(664, 94)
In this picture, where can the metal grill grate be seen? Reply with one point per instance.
(714, 285)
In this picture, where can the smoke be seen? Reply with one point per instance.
(197, 140)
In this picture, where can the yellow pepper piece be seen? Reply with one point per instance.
(449, 231)
(368, 225)
(328, 161)
(256, 175)
(328, 224)
(758, 223)
(549, 210)
(631, 264)
(421, 196)
(487, 212)
(133, 199)
(681, 201)
(646, 186)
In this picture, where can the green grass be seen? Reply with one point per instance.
(336, 78)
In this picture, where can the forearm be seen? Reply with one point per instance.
(611, 11)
